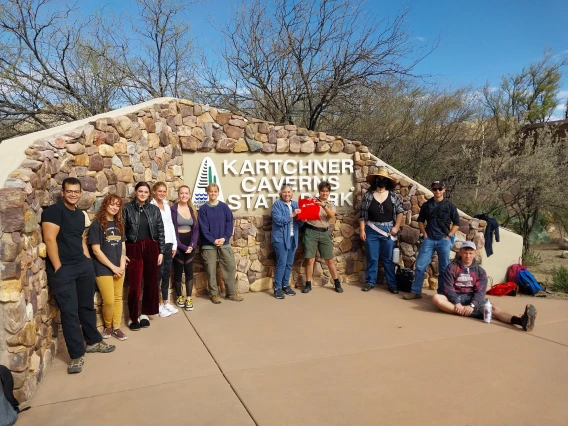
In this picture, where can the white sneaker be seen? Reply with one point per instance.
(170, 308)
(163, 312)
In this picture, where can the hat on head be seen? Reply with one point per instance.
(439, 183)
(381, 172)
(468, 244)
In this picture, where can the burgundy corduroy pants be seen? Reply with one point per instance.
(143, 264)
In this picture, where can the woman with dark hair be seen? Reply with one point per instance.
(106, 239)
(145, 247)
(379, 222)
(285, 230)
(215, 228)
(184, 217)
(160, 190)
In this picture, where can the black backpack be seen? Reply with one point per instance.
(8, 404)
(404, 278)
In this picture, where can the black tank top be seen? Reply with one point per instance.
(381, 212)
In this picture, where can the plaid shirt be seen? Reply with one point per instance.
(368, 197)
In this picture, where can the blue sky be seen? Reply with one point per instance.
(479, 40)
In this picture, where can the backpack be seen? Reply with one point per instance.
(404, 278)
(8, 404)
(514, 270)
(502, 289)
(528, 283)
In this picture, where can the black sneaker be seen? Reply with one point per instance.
(144, 321)
(134, 326)
(278, 294)
(307, 288)
(393, 289)
(527, 320)
(367, 287)
(288, 291)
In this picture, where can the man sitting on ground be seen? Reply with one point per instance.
(465, 285)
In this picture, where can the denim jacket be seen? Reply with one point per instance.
(281, 221)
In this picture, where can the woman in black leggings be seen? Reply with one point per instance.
(184, 218)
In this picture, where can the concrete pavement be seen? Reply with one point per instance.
(320, 359)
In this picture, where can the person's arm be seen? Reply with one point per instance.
(161, 231)
(171, 231)
(204, 227)
(328, 208)
(194, 230)
(422, 218)
(101, 257)
(396, 227)
(280, 213)
(479, 287)
(229, 224)
(455, 228)
(50, 231)
(422, 229)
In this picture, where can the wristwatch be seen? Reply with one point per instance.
(472, 305)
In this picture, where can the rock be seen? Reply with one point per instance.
(96, 163)
(11, 198)
(282, 145)
(106, 150)
(75, 148)
(125, 175)
(241, 146)
(295, 144)
(10, 290)
(564, 255)
(18, 361)
(254, 146)
(322, 147)
(345, 245)
(337, 146)
(256, 266)
(410, 235)
(242, 283)
(226, 145)
(268, 147)
(307, 147)
(563, 243)
(233, 132)
(262, 284)
(407, 249)
(26, 336)
(346, 230)
(15, 315)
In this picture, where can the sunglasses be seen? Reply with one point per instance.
(437, 189)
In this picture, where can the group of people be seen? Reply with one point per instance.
(146, 238)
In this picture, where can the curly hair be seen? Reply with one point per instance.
(101, 214)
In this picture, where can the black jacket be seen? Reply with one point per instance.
(131, 215)
(491, 228)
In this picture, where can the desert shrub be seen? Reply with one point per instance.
(531, 258)
(560, 279)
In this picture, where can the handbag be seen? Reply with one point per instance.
(404, 278)
(310, 209)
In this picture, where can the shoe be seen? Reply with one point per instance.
(107, 332)
(368, 287)
(393, 289)
(170, 308)
(76, 365)
(235, 297)
(278, 294)
(163, 312)
(102, 347)
(134, 326)
(180, 302)
(188, 304)
(117, 333)
(307, 288)
(338, 288)
(288, 291)
(412, 296)
(216, 299)
(527, 320)
(144, 321)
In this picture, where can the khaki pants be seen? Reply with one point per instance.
(228, 268)
(111, 291)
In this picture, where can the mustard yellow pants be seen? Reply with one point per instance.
(111, 291)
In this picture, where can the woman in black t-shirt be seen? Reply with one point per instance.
(106, 240)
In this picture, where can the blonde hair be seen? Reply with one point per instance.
(189, 202)
(211, 185)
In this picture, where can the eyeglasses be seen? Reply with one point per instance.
(70, 191)
(437, 189)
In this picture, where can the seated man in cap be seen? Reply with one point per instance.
(464, 291)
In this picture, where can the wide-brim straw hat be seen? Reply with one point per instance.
(383, 172)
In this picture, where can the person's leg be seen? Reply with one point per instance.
(62, 286)
(105, 285)
(134, 273)
(443, 248)
(178, 264)
(386, 248)
(281, 256)
(117, 310)
(372, 246)
(228, 268)
(85, 283)
(443, 303)
(309, 268)
(288, 269)
(210, 264)
(188, 268)
(422, 262)
(165, 272)
(151, 289)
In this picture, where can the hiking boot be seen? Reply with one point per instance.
(117, 333)
(235, 297)
(527, 320)
(180, 302)
(76, 365)
(279, 294)
(307, 288)
(102, 347)
(188, 304)
(107, 332)
(412, 296)
(368, 287)
(216, 299)
(288, 291)
(393, 289)
(338, 287)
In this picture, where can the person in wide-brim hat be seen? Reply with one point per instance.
(381, 172)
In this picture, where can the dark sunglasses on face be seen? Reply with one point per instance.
(437, 189)
(381, 179)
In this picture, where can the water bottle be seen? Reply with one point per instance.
(487, 311)
(396, 255)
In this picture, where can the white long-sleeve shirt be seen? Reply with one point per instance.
(169, 230)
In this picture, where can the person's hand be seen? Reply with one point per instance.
(363, 235)
(189, 250)
(160, 258)
(322, 203)
(425, 235)
(296, 212)
(467, 311)
(394, 230)
(174, 253)
(460, 309)
(447, 238)
(116, 271)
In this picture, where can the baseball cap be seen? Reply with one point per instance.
(439, 183)
(468, 244)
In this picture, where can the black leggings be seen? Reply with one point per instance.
(165, 271)
(183, 263)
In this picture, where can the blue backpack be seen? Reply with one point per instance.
(528, 283)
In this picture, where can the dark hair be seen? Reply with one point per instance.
(324, 184)
(70, 181)
(390, 184)
(139, 184)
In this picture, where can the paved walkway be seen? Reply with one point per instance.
(320, 359)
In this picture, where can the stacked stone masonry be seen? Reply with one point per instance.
(109, 156)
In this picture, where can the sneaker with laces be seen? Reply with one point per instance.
(170, 308)
(188, 304)
(288, 291)
(235, 297)
(102, 347)
(412, 296)
(163, 312)
(528, 318)
(279, 294)
(180, 302)
(117, 333)
(76, 365)
(216, 299)
(107, 332)
(368, 287)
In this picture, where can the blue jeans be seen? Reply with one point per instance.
(284, 261)
(442, 248)
(378, 245)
